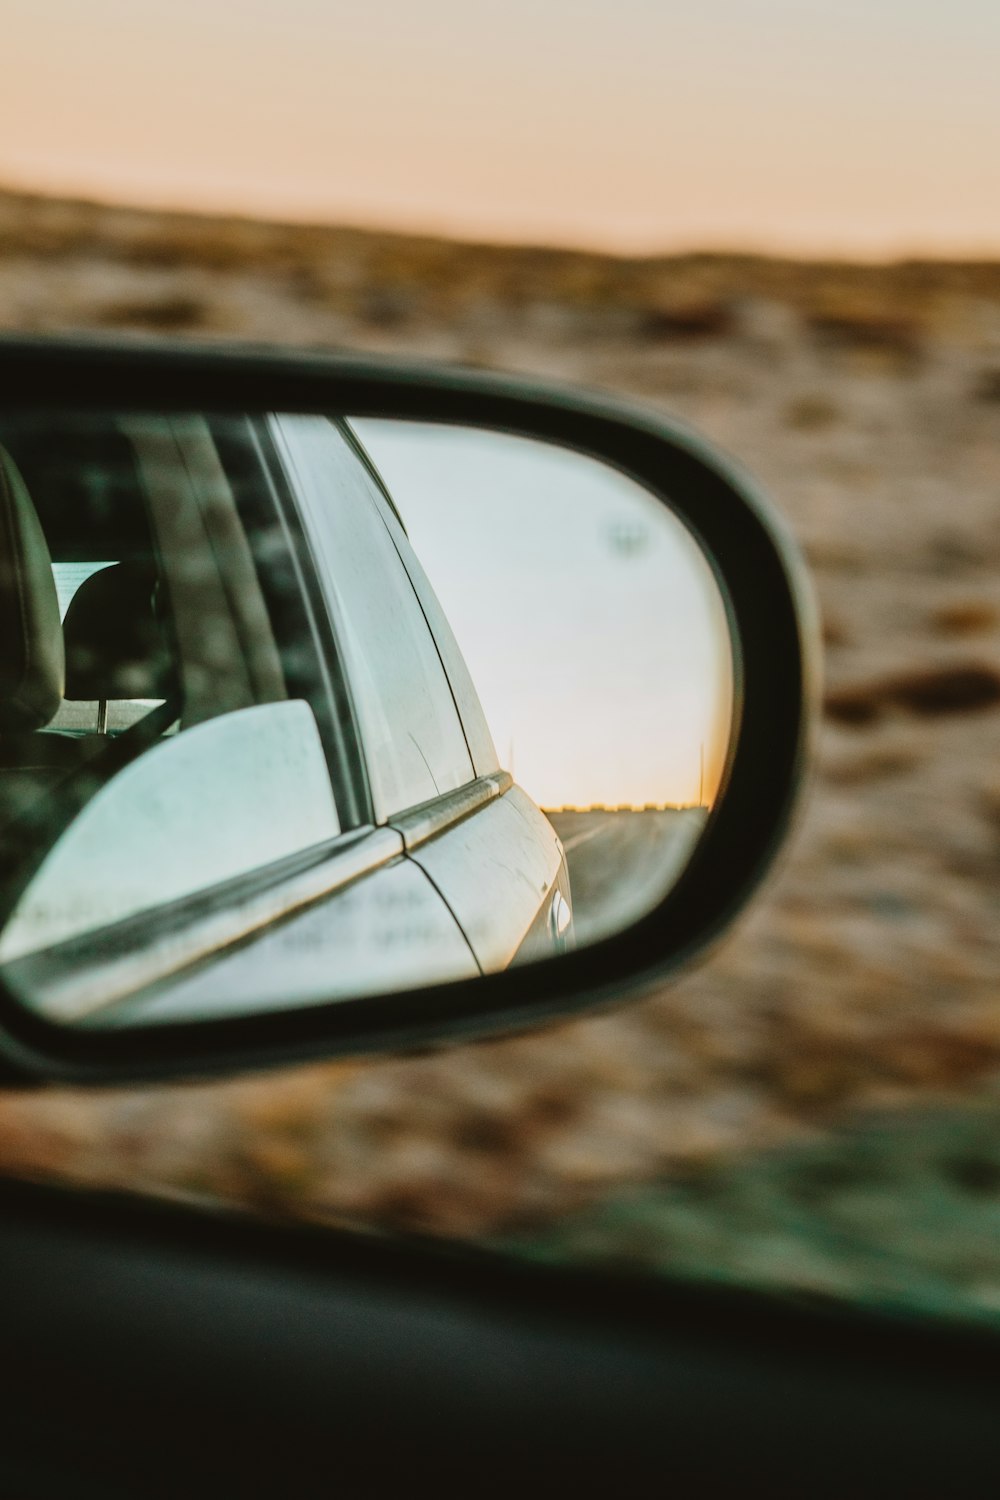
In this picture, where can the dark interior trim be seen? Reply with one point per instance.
(171, 1350)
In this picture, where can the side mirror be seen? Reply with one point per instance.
(355, 705)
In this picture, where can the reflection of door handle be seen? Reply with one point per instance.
(560, 916)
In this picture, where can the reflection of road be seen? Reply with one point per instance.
(622, 863)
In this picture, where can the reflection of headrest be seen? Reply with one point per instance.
(31, 643)
(115, 644)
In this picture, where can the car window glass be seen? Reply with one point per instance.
(177, 760)
(226, 653)
(414, 744)
(69, 576)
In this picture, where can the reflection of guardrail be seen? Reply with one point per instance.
(629, 807)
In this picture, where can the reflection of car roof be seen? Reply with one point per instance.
(359, 448)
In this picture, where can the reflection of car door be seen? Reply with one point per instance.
(216, 843)
(432, 768)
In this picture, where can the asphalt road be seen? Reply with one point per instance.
(622, 863)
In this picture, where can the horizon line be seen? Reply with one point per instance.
(772, 251)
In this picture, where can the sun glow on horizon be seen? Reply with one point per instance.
(591, 624)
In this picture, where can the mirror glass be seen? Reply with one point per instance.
(295, 708)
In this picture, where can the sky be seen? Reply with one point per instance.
(855, 127)
(591, 624)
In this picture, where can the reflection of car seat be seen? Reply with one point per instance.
(116, 644)
(32, 664)
(115, 647)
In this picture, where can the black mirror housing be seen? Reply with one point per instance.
(773, 626)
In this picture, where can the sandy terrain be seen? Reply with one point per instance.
(865, 978)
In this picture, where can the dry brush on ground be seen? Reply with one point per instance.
(868, 401)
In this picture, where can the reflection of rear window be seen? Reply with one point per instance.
(82, 716)
(69, 576)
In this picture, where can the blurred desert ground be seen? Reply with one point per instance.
(817, 1105)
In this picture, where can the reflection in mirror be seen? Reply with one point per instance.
(295, 709)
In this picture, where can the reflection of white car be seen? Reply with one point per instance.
(266, 775)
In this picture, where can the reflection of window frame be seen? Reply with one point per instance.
(80, 716)
(453, 767)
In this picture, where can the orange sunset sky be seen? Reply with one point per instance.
(811, 126)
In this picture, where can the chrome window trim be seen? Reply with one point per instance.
(419, 824)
